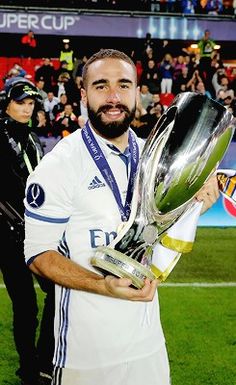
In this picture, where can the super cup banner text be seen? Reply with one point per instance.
(76, 23)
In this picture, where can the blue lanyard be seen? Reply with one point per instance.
(103, 166)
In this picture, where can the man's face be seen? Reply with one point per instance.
(110, 96)
(151, 64)
(156, 98)
(144, 89)
(50, 96)
(21, 111)
(63, 98)
(68, 110)
(224, 82)
(40, 84)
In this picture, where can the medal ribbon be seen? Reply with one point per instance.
(103, 166)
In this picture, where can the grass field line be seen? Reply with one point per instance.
(198, 284)
(179, 284)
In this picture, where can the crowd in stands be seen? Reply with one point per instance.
(210, 7)
(161, 76)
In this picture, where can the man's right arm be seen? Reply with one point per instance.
(49, 203)
(67, 273)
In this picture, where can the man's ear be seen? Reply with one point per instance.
(83, 97)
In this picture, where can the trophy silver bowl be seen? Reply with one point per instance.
(181, 152)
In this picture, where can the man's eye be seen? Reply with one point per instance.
(124, 86)
(100, 87)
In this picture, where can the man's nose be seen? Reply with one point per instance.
(27, 108)
(113, 97)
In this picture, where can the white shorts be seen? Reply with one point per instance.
(151, 370)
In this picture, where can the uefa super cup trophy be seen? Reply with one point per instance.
(181, 152)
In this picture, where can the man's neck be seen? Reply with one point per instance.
(121, 142)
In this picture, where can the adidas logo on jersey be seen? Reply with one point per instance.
(96, 183)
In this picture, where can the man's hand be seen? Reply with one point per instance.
(121, 288)
(209, 193)
(67, 273)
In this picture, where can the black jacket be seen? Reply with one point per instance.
(20, 150)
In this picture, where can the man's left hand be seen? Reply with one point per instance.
(209, 193)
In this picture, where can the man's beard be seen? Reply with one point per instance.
(113, 129)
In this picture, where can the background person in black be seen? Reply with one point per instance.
(46, 72)
(20, 152)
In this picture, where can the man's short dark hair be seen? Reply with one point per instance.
(106, 54)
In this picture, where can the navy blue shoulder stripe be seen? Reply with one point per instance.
(46, 219)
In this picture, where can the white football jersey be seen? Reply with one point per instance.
(70, 208)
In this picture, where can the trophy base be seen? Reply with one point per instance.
(118, 264)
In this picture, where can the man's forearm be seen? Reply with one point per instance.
(67, 273)
(64, 272)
